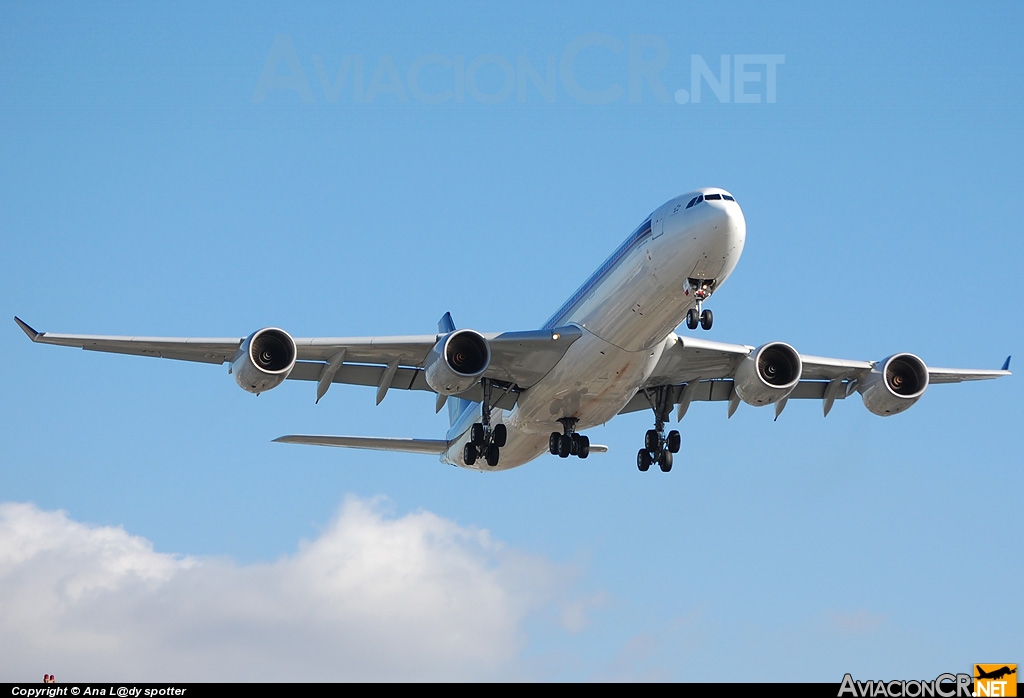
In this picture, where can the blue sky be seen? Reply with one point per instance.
(148, 186)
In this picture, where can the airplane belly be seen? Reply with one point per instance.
(520, 447)
(591, 383)
(647, 299)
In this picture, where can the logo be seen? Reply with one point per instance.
(990, 681)
(995, 680)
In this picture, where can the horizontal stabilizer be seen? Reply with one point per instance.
(373, 443)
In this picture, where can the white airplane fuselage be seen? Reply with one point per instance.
(626, 310)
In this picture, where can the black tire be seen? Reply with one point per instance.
(500, 435)
(652, 440)
(493, 452)
(477, 435)
(664, 461)
(553, 442)
(469, 454)
(564, 446)
(691, 319)
(675, 441)
(575, 445)
(584, 449)
(707, 319)
(643, 460)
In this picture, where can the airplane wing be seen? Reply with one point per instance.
(703, 370)
(518, 359)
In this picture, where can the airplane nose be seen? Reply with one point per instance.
(730, 227)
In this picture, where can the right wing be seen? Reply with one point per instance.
(702, 370)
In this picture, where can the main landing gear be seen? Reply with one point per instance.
(484, 441)
(568, 443)
(658, 446)
(702, 289)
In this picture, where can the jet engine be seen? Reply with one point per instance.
(768, 374)
(264, 360)
(894, 387)
(456, 362)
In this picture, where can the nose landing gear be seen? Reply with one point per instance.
(659, 446)
(702, 290)
(568, 443)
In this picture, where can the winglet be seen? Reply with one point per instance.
(1006, 364)
(34, 336)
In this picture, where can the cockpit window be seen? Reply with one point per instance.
(708, 197)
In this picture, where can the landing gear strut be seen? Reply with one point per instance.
(702, 289)
(484, 441)
(568, 443)
(659, 446)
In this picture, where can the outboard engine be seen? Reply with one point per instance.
(264, 360)
(898, 384)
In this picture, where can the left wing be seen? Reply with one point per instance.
(698, 369)
(518, 359)
(211, 351)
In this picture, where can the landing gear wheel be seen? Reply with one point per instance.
(664, 461)
(564, 446)
(674, 441)
(493, 453)
(643, 460)
(469, 454)
(652, 440)
(707, 319)
(692, 319)
(477, 435)
(499, 435)
(553, 441)
(584, 448)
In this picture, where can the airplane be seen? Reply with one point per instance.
(610, 349)
(996, 674)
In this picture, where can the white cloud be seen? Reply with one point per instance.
(416, 597)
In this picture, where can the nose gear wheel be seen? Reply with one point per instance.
(698, 316)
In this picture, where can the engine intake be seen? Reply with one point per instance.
(768, 374)
(899, 383)
(457, 361)
(264, 360)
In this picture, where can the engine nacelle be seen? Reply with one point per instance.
(264, 360)
(457, 361)
(768, 374)
(896, 385)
